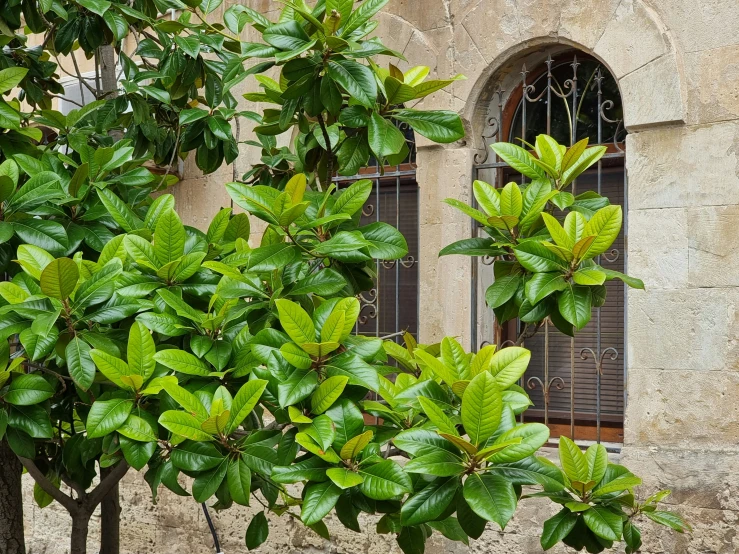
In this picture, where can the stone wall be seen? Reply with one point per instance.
(676, 63)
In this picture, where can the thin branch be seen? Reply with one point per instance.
(528, 332)
(82, 80)
(65, 99)
(48, 487)
(106, 484)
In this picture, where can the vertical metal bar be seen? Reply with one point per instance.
(524, 72)
(575, 64)
(549, 94)
(546, 372)
(473, 278)
(572, 388)
(397, 262)
(377, 262)
(598, 346)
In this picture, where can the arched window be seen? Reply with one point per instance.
(576, 385)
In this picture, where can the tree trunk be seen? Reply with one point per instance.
(80, 525)
(110, 521)
(108, 80)
(12, 540)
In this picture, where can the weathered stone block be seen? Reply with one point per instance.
(712, 78)
(677, 167)
(658, 247)
(652, 94)
(714, 258)
(682, 408)
(679, 329)
(631, 18)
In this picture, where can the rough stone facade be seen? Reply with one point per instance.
(676, 64)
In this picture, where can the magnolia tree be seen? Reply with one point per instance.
(132, 340)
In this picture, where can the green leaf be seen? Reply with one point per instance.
(79, 363)
(257, 531)
(113, 368)
(361, 15)
(344, 478)
(319, 500)
(429, 503)
(141, 351)
(98, 7)
(511, 200)
(137, 454)
(519, 159)
(327, 393)
(437, 416)
(28, 389)
(491, 497)
(487, 196)
(295, 321)
(385, 241)
(437, 125)
(573, 460)
(117, 24)
(196, 456)
(98, 288)
(239, 481)
(184, 425)
(351, 200)
(205, 485)
(669, 519)
(182, 362)
(575, 303)
(169, 238)
(574, 167)
(208, 6)
(33, 420)
(597, 457)
(353, 154)
(244, 402)
(541, 285)
(119, 211)
(604, 523)
(298, 387)
(537, 258)
(385, 480)
(385, 139)
(532, 436)
(37, 346)
(502, 290)
(138, 429)
(557, 528)
(440, 463)
(289, 35)
(49, 235)
(356, 79)
(11, 77)
(106, 416)
(482, 406)
(633, 282)
(509, 364)
(604, 226)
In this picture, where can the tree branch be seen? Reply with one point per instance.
(106, 484)
(48, 487)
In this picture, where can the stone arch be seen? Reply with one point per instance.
(628, 39)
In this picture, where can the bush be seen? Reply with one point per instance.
(146, 343)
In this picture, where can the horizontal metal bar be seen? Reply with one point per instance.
(372, 176)
(495, 165)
